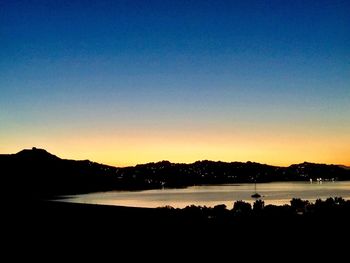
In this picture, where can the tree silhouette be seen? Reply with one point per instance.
(258, 206)
(242, 208)
(298, 205)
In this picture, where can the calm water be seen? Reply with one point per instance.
(210, 195)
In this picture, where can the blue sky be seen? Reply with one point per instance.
(160, 66)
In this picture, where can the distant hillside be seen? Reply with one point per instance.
(37, 173)
(208, 172)
(345, 167)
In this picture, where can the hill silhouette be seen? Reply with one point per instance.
(38, 173)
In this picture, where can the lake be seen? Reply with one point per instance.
(277, 193)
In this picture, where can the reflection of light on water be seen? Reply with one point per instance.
(209, 195)
(320, 180)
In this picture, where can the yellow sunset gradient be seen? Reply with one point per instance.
(136, 147)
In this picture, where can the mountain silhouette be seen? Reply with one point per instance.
(36, 173)
(36, 153)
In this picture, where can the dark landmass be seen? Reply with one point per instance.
(322, 222)
(39, 174)
(31, 177)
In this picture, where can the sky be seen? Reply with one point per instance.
(127, 82)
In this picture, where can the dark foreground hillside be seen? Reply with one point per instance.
(330, 215)
(58, 230)
(31, 177)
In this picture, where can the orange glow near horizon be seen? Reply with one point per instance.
(127, 149)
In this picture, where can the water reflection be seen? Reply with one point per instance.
(210, 195)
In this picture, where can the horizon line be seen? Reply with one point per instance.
(187, 163)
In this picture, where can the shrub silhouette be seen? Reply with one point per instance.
(242, 208)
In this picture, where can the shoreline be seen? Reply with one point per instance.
(212, 195)
(297, 207)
